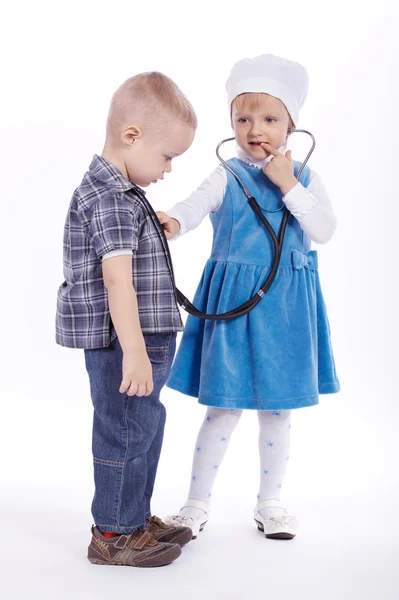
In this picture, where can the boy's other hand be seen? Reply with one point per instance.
(136, 374)
(171, 226)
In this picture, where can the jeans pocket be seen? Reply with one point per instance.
(158, 355)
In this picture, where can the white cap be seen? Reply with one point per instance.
(269, 74)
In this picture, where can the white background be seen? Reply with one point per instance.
(61, 62)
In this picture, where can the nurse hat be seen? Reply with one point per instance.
(269, 74)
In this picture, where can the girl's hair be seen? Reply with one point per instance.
(152, 97)
(254, 101)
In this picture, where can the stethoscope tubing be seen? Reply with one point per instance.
(277, 241)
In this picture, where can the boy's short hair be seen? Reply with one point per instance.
(150, 97)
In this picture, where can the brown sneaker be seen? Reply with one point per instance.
(137, 549)
(171, 534)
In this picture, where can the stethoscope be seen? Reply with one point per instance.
(277, 243)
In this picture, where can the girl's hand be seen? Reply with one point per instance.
(171, 226)
(280, 170)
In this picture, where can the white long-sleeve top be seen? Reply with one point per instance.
(310, 206)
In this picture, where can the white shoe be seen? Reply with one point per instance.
(282, 527)
(196, 525)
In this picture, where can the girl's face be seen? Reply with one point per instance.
(259, 118)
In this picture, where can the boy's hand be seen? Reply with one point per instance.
(171, 226)
(136, 374)
(280, 170)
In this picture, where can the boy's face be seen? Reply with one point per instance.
(150, 155)
(265, 120)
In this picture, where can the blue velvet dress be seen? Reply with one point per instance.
(279, 355)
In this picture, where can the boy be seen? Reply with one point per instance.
(118, 303)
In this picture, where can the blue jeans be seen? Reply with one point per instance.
(127, 435)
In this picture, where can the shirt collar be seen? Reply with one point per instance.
(106, 172)
(258, 164)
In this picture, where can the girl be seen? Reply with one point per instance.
(278, 357)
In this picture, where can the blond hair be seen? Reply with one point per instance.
(149, 98)
(254, 101)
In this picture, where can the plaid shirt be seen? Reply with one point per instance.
(108, 212)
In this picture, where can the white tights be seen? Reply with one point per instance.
(213, 439)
